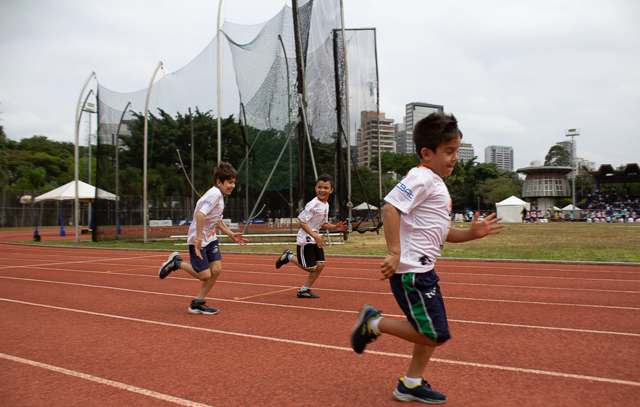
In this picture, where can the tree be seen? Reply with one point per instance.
(496, 189)
(558, 156)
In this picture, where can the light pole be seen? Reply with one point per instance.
(573, 133)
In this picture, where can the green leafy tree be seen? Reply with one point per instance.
(558, 156)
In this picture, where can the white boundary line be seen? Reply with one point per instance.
(298, 307)
(334, 347)
(329, 276)
(107, 382)
(78, 262)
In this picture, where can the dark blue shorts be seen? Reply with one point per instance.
(210, 253)
(419, 296)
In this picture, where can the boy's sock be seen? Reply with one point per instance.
(303, 288)
(411, 382)
(374, 325)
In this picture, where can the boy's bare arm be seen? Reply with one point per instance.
(340, 226)
(391, 219)
(478, 229)
(236, 237)
(200, 221)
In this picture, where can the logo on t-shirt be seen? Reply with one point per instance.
(405, 190)
(424, 260)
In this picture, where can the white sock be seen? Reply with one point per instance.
(303, 288)
(373, 325)
(412, 382)
(289, 256)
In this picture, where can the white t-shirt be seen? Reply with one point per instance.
(211, 204)
(315, 213)
(425, 205)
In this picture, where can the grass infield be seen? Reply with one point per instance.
(552, 241)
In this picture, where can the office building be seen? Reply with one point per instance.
(501, 156)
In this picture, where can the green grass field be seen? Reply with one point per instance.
(553, 241)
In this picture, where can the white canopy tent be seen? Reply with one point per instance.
(570, 207)
(365, 206)
(67, 192)
(510, 209)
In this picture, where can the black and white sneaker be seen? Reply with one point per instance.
(172, 264)
(422, 393)
(284, 258)
(306, 293)
(361, 335)
(199, 307)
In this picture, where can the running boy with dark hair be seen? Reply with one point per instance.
(417, 220)
(204, 252)
(310, 252)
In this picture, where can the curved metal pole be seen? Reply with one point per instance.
(116, 144)
(76, 157)
(219, 80)
(286, 64)
(348, 129)
(145, 206)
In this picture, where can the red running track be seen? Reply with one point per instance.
(97, 327)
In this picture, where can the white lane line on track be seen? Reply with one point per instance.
(106, 382)
(299, 307)
(334, 347)
(385, 293)
(329, 276)
(62, 263)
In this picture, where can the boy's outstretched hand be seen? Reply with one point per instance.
(488, 226)
(341, 226)
(238, 238)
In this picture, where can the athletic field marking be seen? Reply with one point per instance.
(264, 294)
(76, 262)
(334, 347)
(300, 307)
(375, 271)
(449, 297)
(107, 382)
(342, 277)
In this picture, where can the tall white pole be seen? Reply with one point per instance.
(573, 133)
(219, 80)
(145, 206)
(348, 128)
(76, 158)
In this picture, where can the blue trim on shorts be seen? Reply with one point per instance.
(210, 253)
(420, 298)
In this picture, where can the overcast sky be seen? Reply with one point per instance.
(515, 73)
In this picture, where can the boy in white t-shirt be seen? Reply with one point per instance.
(204, 252)
(310, 252)
(417, 219)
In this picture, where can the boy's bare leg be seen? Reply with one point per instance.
(208, 278)
(403, 329)
(187, 267)
(419, 360)
(313, 275)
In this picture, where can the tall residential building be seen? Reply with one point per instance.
(466, 153)
(367, 138)
(501, 156)
(415, 111)
(401, 139)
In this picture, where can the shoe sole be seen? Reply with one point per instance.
(197, 311)
(408, 397)
(166, 263)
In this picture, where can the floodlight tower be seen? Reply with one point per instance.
(573, 133)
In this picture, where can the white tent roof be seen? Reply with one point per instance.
(68, 192)
(512, 200)
(570, 207)
(364, 206)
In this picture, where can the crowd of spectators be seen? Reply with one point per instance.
(611, 207)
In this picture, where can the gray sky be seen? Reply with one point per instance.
(514, 73)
